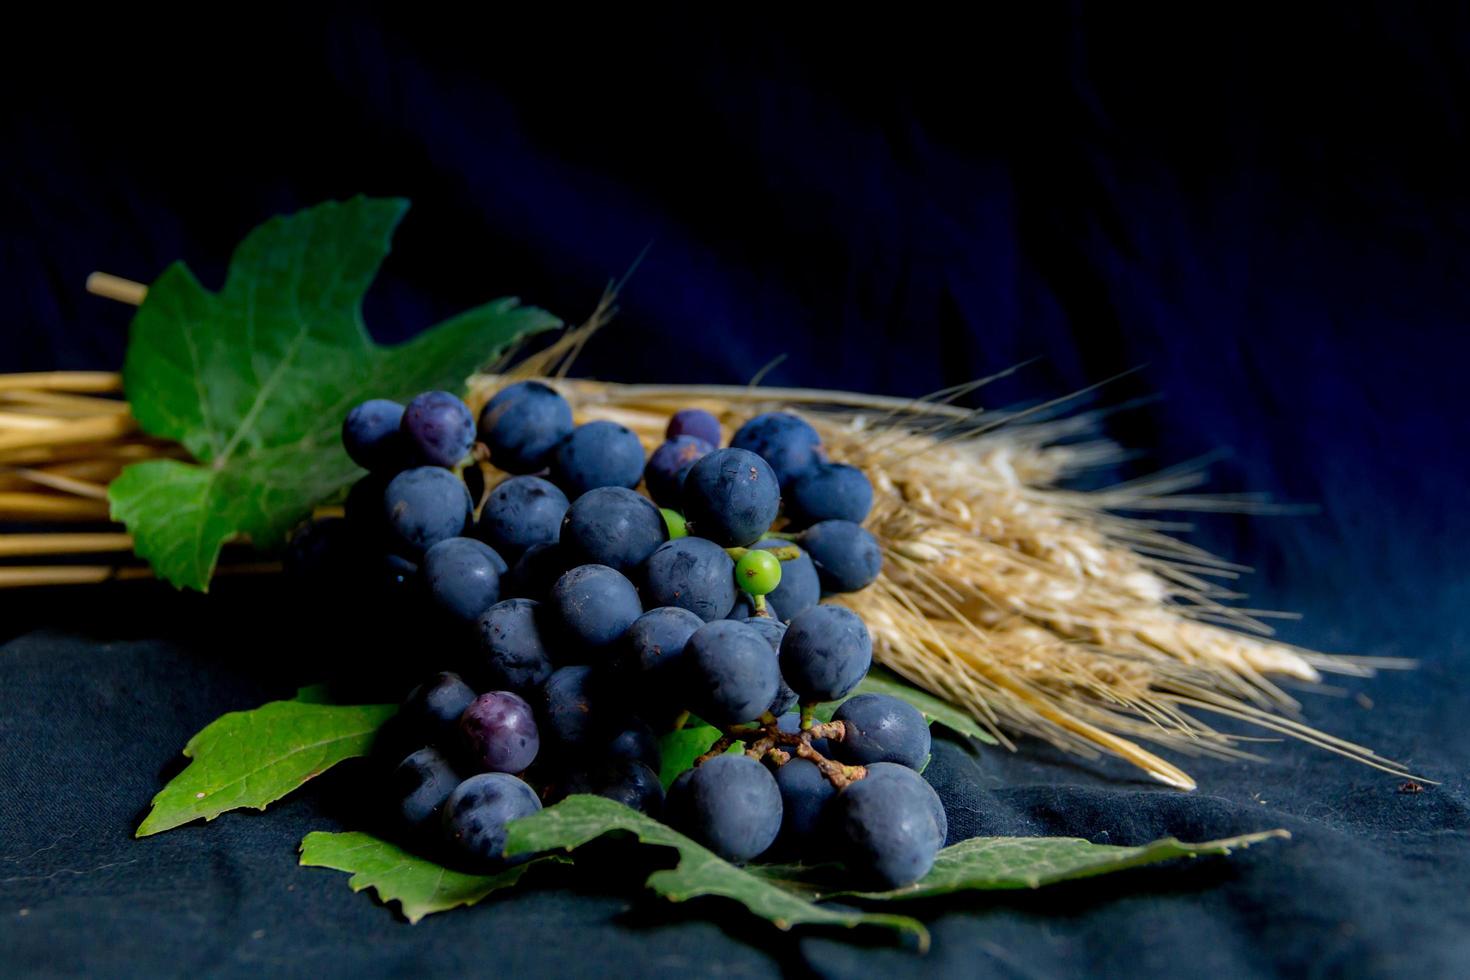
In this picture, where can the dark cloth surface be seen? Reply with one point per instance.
(1270, 216)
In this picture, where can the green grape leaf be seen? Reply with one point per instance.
(995, 863)
(700, 872)
(254, 381)
(418, 885)
(253, 758)
(880, 681)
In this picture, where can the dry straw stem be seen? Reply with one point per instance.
(1042, 610)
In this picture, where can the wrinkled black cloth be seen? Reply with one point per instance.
(1264, 209)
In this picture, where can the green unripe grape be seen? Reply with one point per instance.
(674, 521)
(758, 572)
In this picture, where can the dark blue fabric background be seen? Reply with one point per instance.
(1267, 210)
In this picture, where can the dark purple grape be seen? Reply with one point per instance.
(731, 497)
(439, 428)
(594, 606)
(571, 710)
(371, 435)
(421, 784)
(424, 506)
(788, 443)
(829, 491)
(537, 570)
(612, 526)
(462, 576)
(520, 512)
(511, 654)
(522, 424)
(498, 731)
(881, 729)
(805, 796)
(825, 653)
(597, 454)
(626, 781)
(637, 742)
(653, 649)
(669, 464)
(731, 673)
(847, 557)
(431, 711)
(691, 573)
(732, 806)
(477, 813)
(886, 826)
(694, 422)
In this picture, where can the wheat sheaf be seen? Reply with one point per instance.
(1039, 609)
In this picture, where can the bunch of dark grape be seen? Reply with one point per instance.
(584, 619)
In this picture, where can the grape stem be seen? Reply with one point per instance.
(767, 741)
(723, 743)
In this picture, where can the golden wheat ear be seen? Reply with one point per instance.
(1040, 609)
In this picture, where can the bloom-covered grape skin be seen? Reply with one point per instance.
(595, 605)
(731, 673)
(537, 570)
(694, 422)
(800, 587)
(439, 428)
(420, 785)
(829, 491)
(637, 742)
(522, 424)
(372, 435)
(476, 814)
(846, 556)
(825, 653)
(691, 573)
(805, 795)
(788, 443)
(880, 728)
(731, 497)
(612, 526)
(462, 576)
(511, 653)
(886, 826)
(669, 464)
(571, 713)
(627, 781)
(423, 506)
(597, 454)
(654, 649)
(520, 512)
(498, 733)
(431, 711)
(732, 806)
